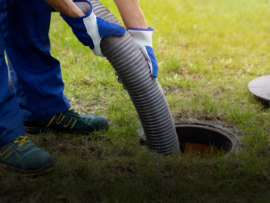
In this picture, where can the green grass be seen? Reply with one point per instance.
(208, 51)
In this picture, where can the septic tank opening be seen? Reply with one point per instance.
(203, 138)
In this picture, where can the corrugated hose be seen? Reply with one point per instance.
(144, 90)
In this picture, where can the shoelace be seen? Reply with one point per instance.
(70, 109)
(61, 117)
(22, 141)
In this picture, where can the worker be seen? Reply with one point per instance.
(37, 103)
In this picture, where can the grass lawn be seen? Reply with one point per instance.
(208, 51)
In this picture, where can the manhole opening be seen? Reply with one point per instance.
(203, 138)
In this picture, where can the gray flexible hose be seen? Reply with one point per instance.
(145, 91)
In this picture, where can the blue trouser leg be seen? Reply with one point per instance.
(36, 74)
(11, 123)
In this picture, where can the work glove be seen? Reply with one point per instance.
(143, 38)
(90, 29)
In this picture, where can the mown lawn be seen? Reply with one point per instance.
(208, 51)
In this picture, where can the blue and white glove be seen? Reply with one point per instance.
(143, 38)
(90, 29)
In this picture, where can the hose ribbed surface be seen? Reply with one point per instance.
(145, 91)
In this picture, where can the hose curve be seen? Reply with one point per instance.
(144, 90)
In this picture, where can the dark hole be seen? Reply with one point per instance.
(199, 138)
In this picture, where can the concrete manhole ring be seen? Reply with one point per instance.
(204, 133)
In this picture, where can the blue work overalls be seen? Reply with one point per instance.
(36, 75)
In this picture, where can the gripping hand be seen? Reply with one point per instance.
(143, 38)
(90, 29)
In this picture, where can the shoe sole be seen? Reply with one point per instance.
(35, 130)
(47, 168)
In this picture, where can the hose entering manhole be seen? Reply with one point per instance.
(203, 138)
(145, 92)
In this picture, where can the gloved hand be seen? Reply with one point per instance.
(90, 29)
(143, 38)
